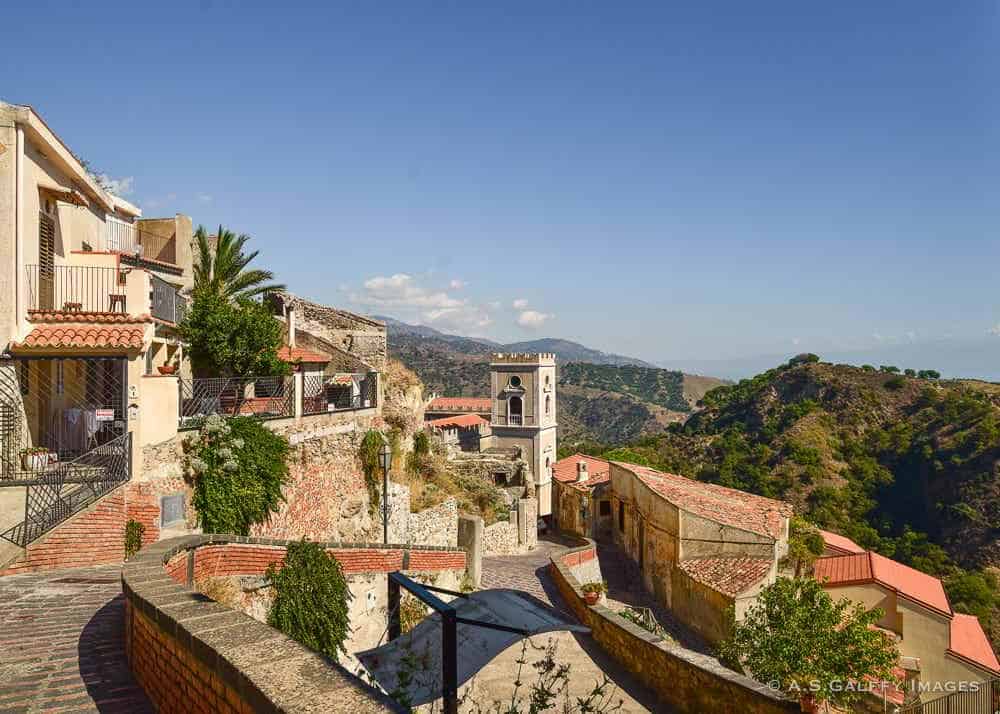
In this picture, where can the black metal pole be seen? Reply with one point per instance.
(395, 620)
(385, 506)
(449, 661)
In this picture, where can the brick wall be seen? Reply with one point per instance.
(223, 560)
(227, 662)
(174, 680)
(93, 536)
(685, 680)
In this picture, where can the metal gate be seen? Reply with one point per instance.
(984, 700)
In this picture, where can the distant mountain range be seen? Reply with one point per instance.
(603, 397)
(564, 350)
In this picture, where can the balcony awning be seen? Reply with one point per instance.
(60, 193)
(477, 646)
(106, 339)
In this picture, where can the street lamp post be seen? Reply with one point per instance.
(385, 458)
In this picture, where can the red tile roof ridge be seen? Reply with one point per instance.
(484, 404)
(837, 542)
(462, 420)
(728, 575)
(968, 641)
(730, 506)
(865, 567)
(294, 355)
(81, 337)
(85, 317)
(565, 469)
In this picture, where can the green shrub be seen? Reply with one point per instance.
(310, 599)
(133, 538)
(895, 383)
(238, 467)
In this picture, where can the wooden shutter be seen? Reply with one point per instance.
(46, 261)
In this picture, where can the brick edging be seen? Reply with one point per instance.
(182, 645)
(716, 686)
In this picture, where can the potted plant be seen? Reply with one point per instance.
(592, 591)
(166, 369)
(35, 458)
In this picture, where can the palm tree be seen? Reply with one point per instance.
(222, 268)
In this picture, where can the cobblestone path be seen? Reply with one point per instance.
(62, 644)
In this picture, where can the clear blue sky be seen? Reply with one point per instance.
(663, 180)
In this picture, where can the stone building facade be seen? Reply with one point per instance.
(704, 551)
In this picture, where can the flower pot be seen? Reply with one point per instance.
(35, 461)
(592, 597)
(166, 369)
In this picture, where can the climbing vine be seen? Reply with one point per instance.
(310, 598)
(368, 454)
(237, 467)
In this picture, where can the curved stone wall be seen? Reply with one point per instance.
(686, 680)
(191, 654)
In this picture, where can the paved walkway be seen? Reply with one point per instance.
(588, 661)
(62, 644)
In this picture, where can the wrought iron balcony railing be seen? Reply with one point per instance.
(75, 288)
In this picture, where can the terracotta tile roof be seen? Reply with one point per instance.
(868, 567)
(460, 404)
(295, 355)
(598, 471)
(462, 421)
(970, 642)
(73, 316)
(82, 337)
(729, 506)
(730, 576)
(839, 544)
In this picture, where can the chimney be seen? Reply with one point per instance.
(581, 471)
(291, 325)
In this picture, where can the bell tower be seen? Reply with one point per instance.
(523, 391)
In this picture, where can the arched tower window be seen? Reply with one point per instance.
(548, 405)
(515, 411)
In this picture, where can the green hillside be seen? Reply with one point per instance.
(905, 466)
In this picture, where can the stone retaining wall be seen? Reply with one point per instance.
(190, 653)
(500, 539)
(685, 680)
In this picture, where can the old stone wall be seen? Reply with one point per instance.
(685, 681)
(437, 525)
(702, 608)
(499, 468)
(354, 334)
(501, 539)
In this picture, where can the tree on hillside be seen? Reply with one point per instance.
(799, 639)
(805, 545)
(222, 269)
(929, 374)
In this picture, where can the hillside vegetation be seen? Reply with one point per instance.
(904, 465)
(597, 402)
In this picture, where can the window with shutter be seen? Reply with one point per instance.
(46, 261)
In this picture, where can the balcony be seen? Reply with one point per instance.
(513, 420)
(167, 303)
(75, 288)
(144, 244)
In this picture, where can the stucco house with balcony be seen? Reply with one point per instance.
(90, 297)
(938, 647)
(704, 551)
